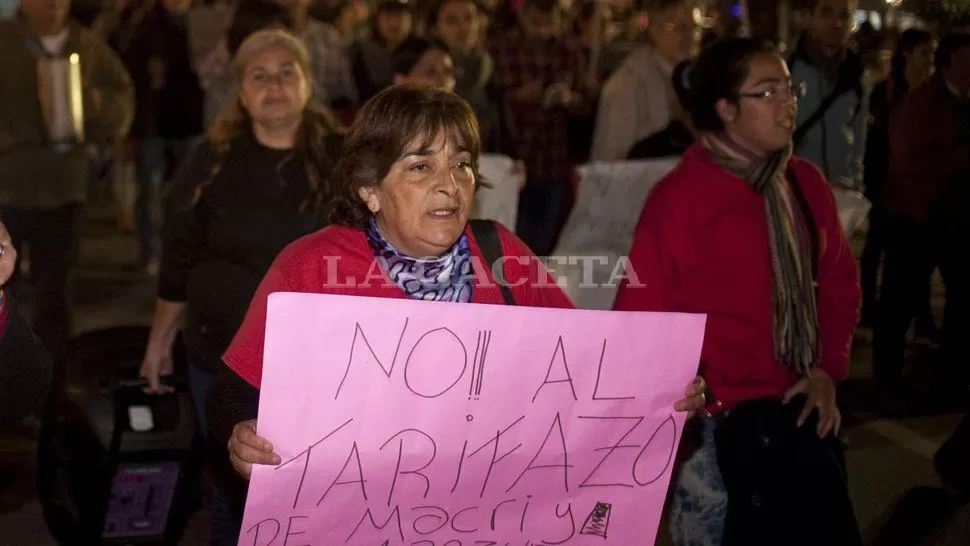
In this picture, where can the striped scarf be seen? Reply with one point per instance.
(795, 321)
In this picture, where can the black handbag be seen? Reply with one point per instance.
(785, 485)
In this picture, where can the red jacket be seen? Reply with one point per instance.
(923, 151)
(702, 247)
(306, 266)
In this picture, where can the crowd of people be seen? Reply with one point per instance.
(333, 128)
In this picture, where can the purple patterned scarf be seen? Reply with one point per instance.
(447, 277)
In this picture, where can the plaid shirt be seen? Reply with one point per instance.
(539, 134)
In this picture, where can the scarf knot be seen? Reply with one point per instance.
(442, 278)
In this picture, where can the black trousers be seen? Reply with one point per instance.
(872, 255)
(914, 248)
(50, 238)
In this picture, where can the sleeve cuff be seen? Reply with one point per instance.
(838, 373)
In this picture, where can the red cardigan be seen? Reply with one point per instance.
(307, 265)
(701, 247)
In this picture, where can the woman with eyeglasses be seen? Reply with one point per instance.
(749, 235)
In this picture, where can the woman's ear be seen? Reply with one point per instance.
(371, 198)
(727, 110)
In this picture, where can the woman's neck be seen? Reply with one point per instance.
(282, 137)
(741, 147)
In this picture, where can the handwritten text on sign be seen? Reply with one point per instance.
(433, 424)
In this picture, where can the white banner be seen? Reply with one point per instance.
(600, 227)
(500, 202)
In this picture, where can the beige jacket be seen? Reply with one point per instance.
(32, 175)
(635, 103)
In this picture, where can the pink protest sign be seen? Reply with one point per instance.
(436, 424)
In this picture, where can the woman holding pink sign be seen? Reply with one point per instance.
(404, 186)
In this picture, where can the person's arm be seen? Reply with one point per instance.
(115, 103)
(182, 234)
(232, 400)
(838, 294)
(659, 243)
(26, 368)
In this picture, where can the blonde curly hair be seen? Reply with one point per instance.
(319, 125)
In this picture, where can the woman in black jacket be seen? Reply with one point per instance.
(25, 365)
(912, 64)
(254, 186)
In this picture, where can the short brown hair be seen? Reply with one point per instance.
(383, 129)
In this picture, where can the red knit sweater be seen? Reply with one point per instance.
(338, 260)
(702, 247)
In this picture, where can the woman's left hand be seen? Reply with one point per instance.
(819, 391)
(694, 398)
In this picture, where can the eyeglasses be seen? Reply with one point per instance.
(777, 94)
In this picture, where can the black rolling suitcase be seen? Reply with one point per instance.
(117, 466)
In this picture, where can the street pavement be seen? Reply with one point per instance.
(891, 439)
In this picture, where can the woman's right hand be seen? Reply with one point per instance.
(246, 448)
(157, 363)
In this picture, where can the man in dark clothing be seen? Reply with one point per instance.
(25, 366)
(927, 193)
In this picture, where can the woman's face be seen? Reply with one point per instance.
(394, 25)
(458, 25)
(919, 61)
(422, 205)
(434, 69)
(274, 90)
(762, 119)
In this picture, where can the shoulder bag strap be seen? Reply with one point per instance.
(486, 235)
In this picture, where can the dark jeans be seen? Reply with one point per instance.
(50, 238)
(225, 525)
(914, 248)
(540, 208)
(872, 256)
(153, 153)
(954, 240)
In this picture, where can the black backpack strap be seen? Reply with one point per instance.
(848, 80)
(809, 220)
(486, 235)
(816, 116)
